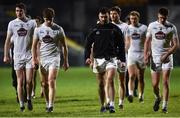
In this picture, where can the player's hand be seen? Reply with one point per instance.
(65, 66)
(122, 64)
(165, 58)
(147, 58)
(91, 65)
(6, 59)
(88, 61)
(35, 64)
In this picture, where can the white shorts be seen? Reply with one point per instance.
(22, 61)
(136, 58)
(50, 63)
(119, 68)
(157, 66)
(101, 65)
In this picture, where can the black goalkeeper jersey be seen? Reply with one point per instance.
(107, 41)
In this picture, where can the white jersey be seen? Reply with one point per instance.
(123, 26)
(22, 32)
(137, 37)
(49, 38)
(161, 36)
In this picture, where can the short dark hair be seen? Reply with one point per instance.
(39, 18)
(163, 11)
(134, 13)
(21, 6)
(48, 13)
(103, 10)
(116, 8)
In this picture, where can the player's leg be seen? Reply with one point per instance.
(34, 84)
(155, 76)
(141, 84)
(132, 76)
(44, 85)
(29, 77)
(136, 87)
(166, 78)
(101, 89)
(126, 83)
(20, 77)
(121, 89)
(110, 85)
(52, 87)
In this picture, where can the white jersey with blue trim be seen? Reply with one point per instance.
(49, 38)
(161, 36)
(22, 33)
(137, 36)
(123, 26)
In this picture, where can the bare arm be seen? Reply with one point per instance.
(7, 46)
(34, 52)
(65, 53)
(171, 50)
(147, 50)
(127, 43)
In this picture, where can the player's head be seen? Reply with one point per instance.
(162, 15)
(115, 13)
(38, 20)
(20, 10)
(134, 17)
(48, 15)
(103, 15)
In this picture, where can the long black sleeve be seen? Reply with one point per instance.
(120, 45)
(107, 40)
(88, 45)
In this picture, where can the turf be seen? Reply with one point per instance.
(77, 96)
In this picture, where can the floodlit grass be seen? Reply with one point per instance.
(77, 96)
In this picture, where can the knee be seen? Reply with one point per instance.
(166, 83)
(51, 83)
(44, 84)
(132, 76)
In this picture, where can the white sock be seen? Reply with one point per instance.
(111, 103)
(21, 103)
(131, 92)
(28, 97)
(164, 104)
(50, 104)
(141, 95)
(121, 102)
(107, 100)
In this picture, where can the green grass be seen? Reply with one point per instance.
(77, 96)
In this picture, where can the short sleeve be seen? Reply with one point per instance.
(61, 33)
(175, 34)
(149, 31)
(35, 35)
(10, 28)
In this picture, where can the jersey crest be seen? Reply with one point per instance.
(160, 35)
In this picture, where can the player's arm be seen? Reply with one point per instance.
(147, 49)
(7, 47)
(127, 43)
(35, 48)
(89, 48)
(34, 52)
(65, 52)
(91, 57)
(171, 50)
(120, 46)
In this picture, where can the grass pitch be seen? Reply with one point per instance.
(77, 96)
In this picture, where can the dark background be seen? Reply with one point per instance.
(78, 16)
